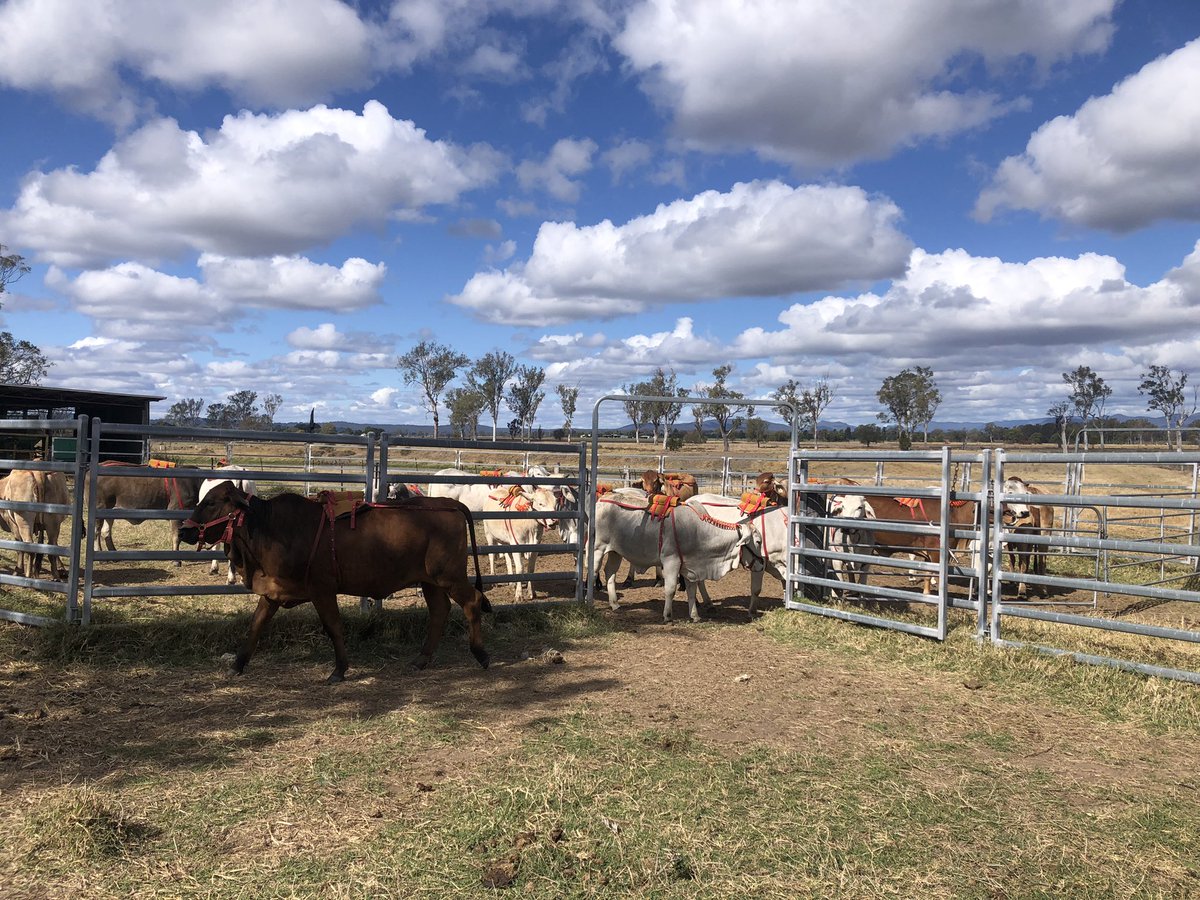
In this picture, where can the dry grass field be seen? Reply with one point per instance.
(602, 755)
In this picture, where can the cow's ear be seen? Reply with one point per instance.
(836, 506)
(870, 509)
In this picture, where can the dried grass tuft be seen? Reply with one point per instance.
(83, 824)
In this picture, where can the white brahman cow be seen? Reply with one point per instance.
(851, 538)
(687, 541)
(517, 531)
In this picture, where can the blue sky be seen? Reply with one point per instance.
(283, 197)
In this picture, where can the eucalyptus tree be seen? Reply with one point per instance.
(432, 366)
(525, 396)
(567, 398)
(1167, 395)
(726, 415)
(490, 376)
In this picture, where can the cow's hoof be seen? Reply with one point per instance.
(419, 663)
(482, 656)
(335, 677)
(695, 620)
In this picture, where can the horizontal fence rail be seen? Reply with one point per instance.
(1113, 551)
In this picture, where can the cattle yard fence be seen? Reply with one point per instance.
(354, 466)
(61, 443)
(1121, 580)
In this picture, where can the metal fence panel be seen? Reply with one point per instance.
(810, 561)
(65, 447)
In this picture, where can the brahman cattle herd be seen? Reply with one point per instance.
(290, 549)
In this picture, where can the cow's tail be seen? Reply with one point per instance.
(487, 605)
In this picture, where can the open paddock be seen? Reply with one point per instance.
(787, 757)
(781, 757)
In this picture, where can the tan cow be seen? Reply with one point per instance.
(30, 526)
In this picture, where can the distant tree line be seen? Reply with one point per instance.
(239, 410)
(495, 385)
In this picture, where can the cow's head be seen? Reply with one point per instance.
(766, 485)
(751, 556)
(1016, 514)
(543, 500)
(850, 506)
(215, 516)
(567, 501)
(652, 482)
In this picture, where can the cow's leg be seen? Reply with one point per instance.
(530, 568)
(438, 602)
(1019, 557)
(331, 621)
(628, 582)
(612, 562)
(25, 561)
(670, 584)
(756, 580)
(262, 615)
(175, 523)
(693, 612)
(705, 599)
(105, 534)
(472, 603)
(57, 570)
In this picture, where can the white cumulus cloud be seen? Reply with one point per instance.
(131, 299)
(757, 239)
(260, 51)
(1121, 162)
(260, 185)
(829, 82)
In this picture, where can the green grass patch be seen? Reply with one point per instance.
(1019, 676)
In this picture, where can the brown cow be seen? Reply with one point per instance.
(129, 492)
(775, 492)
(290, 553)
(1026, 519)
(29, 486)
(673, 484)
(925, 510)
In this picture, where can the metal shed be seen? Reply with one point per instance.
(24, 401)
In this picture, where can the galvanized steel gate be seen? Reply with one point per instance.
(985, 562)
(367, 472)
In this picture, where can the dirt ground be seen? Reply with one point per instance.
(721, 679)
(726, 682)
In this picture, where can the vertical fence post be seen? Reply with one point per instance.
(383, 480)
(586, 488)
(79, 476)
(997, 549)
(944, 537)
(93, 535)
(983, 545)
